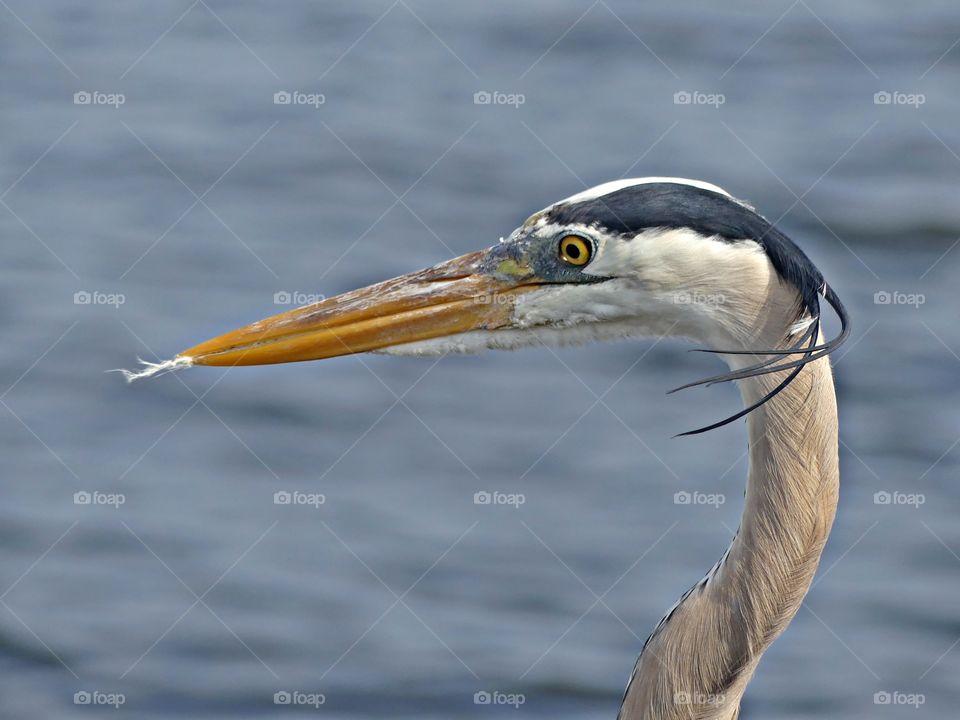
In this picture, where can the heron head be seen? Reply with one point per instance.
(641, 257)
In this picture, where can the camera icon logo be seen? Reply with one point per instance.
(482, 498)
(882, 98)
(282, 298)
(82, 98)
(82, 297)
(282, 697)
(82, 497)
(481, 697)
(882, 498)
(282, 497)
(681, 498)
(282, 98)
(682, 97)
(882, 297)
(881, 698)
(82, 697)
(482, 97)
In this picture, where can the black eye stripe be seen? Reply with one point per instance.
(644, 206)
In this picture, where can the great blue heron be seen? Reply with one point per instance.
(641, 257)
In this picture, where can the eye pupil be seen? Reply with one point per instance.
(573, 251)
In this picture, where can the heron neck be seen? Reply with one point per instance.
(789, 507)
(698, 662)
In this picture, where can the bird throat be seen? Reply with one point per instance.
(700, 658)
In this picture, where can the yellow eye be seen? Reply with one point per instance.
(575, 250)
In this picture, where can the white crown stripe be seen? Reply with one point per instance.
(613, 186)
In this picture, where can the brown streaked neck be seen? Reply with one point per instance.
(699, 660)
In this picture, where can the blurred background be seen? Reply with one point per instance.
(172, 170)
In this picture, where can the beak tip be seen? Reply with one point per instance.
(150, 369)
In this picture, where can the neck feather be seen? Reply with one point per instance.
(699, 659)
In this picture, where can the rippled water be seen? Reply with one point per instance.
(198, 199)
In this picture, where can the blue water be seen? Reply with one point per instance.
(200, 597)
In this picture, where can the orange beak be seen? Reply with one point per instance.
(457, 296)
